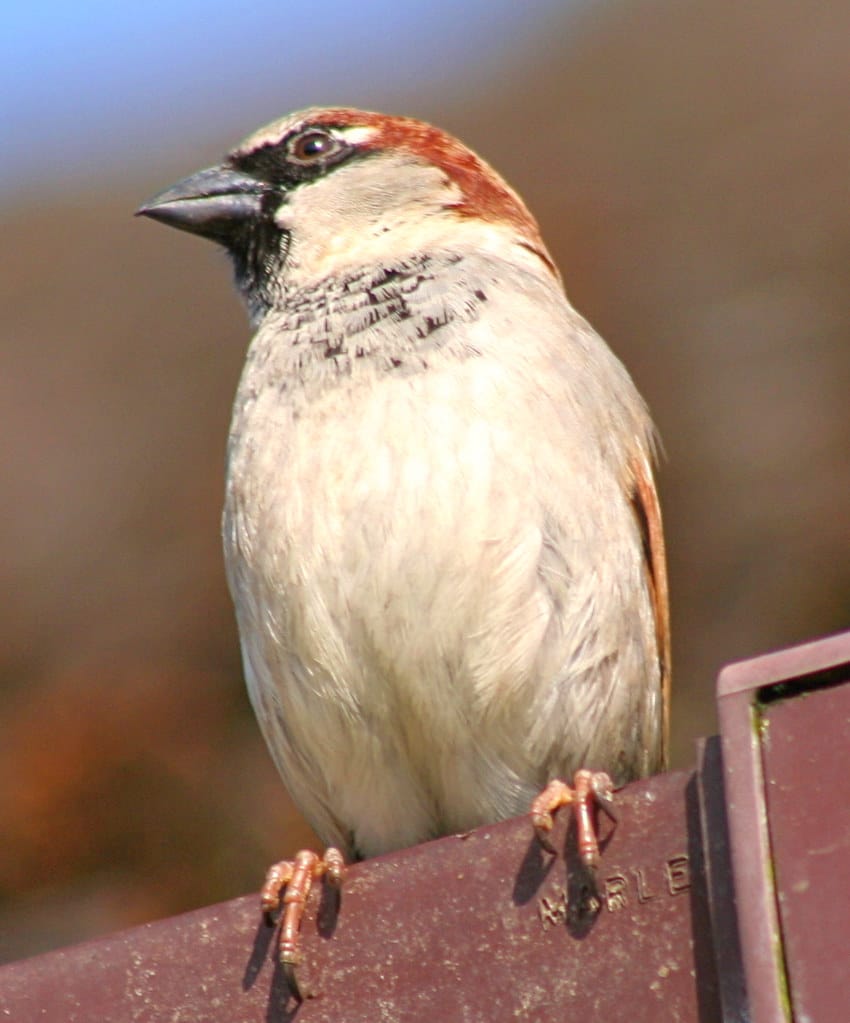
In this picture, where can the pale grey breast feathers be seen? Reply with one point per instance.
(438, 573)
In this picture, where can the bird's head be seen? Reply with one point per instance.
(325, 190)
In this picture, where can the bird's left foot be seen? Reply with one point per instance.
(289, 883)
(588, 788)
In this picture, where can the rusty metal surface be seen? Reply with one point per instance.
(482, 927)
(805, 752)
(785, 725)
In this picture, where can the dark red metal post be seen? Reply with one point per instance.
(785, 723)
(481, 927)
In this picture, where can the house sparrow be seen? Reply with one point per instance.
(441, 530)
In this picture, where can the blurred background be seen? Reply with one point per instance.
(690, 166)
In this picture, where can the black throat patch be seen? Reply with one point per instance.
(393, 318)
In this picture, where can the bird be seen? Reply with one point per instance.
(441, 529)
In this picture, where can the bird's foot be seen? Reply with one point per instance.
(289, 883)
(589, 787)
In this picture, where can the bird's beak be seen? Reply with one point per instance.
(214, 203)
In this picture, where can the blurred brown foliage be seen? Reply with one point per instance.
(689, 165)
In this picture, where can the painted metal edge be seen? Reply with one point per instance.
(739, 691)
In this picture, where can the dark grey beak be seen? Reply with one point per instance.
(214, 203)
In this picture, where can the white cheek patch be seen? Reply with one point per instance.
(363, 210)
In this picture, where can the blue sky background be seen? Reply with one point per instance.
(87, 88)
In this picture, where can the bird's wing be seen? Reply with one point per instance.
(648, 511)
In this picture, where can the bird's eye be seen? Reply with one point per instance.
(312, 146)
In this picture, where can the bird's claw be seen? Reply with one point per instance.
(588, 787)
(289, 883)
